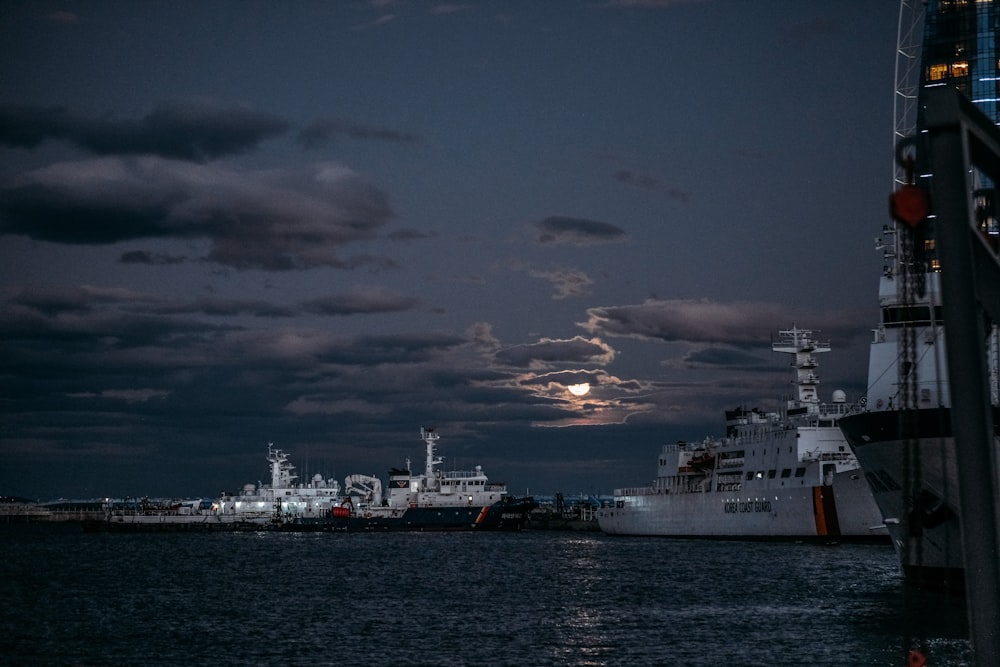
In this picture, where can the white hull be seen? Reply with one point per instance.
(194, 520)
(927, 534)
(914, 480)
(843, 510)
(787, 474)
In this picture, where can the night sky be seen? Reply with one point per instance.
(327, 224)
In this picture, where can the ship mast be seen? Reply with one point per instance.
(430, 437)
(801, 344)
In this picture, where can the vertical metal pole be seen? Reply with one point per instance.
(971, 414)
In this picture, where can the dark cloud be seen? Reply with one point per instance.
(361, 300)
(548, 351)
(566, 282)
(650, 184)
(410, 235)
(178, 130)
(691, 321)
(151, 258)
(577, 231)
(51, 301)
(735, 323)
(641, 181)
(224, 308)
(326, 131)
(721, 356)
(272, 220)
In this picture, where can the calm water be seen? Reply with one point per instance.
(530, 598)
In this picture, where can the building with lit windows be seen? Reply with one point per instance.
(960, 48)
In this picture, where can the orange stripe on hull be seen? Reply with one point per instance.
(818, 512)
(482, 515)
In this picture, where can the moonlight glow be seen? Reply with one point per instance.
(579, 389)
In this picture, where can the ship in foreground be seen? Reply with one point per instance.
(786, 475)
(902, 431)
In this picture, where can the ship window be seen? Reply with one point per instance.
(800, 472)
(771, 473)
(787, 472)
(750, 475)
(760, 474)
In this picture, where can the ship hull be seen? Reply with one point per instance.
(504, 515)
(841, 511)
(172, 524)
(925, 523)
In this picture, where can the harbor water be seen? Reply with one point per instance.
(527, 598)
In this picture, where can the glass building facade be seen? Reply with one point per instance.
(960, 48)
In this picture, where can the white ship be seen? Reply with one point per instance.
(436, 500)
(775, 475)
(284, 501)
(281, 505)
(902, 434)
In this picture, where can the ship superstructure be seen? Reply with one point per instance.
(902, 431)
(784, 474)
(283, 499)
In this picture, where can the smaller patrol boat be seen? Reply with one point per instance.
(436, 500)
(283, 504)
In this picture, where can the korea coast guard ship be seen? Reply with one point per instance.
(435, 500)
(775, 475)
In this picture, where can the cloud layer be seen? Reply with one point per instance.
(273, 220)
(183, 131)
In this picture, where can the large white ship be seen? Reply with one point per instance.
(775, 475)
(903, 434)
(903, 437)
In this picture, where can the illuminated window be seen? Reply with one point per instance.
(960, 68)
(937, 72)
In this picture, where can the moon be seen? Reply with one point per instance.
(579, 389)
